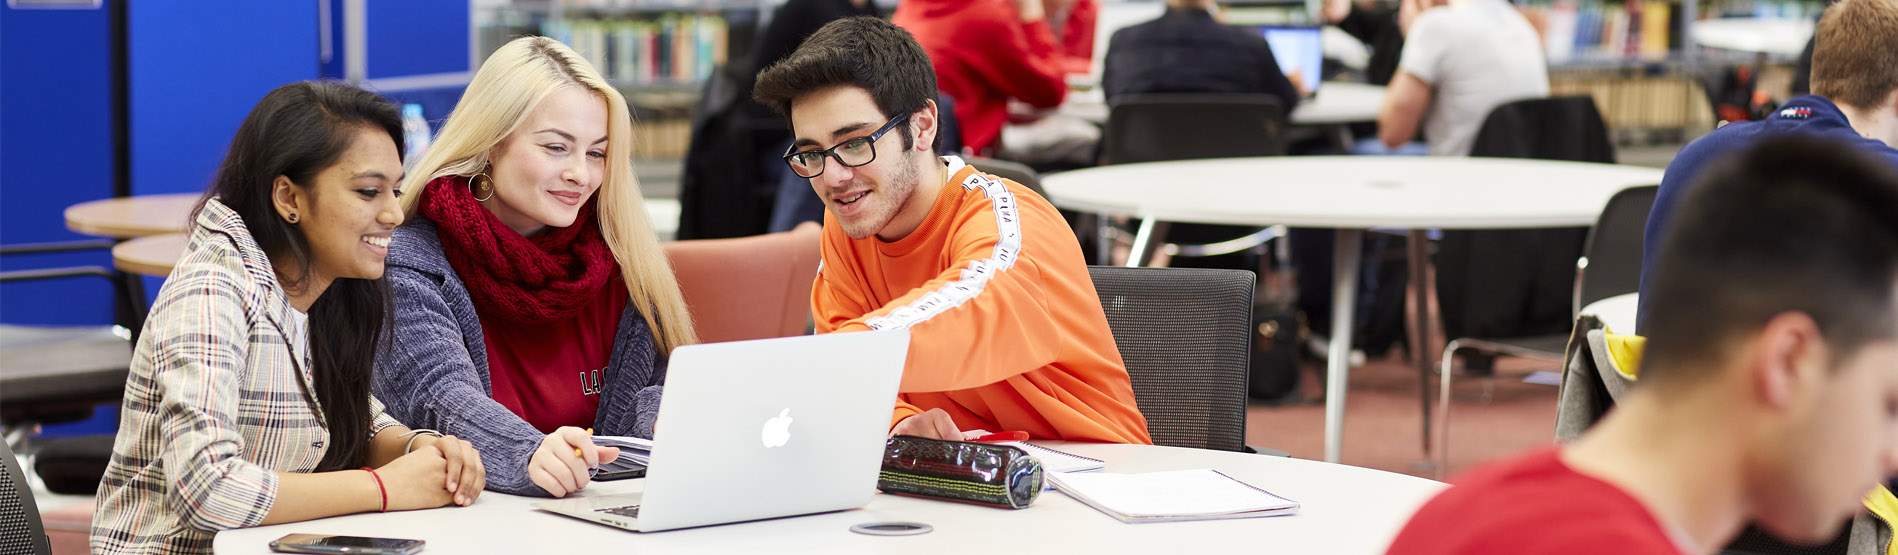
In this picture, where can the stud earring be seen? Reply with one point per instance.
(293, 217)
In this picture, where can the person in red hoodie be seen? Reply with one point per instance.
(986, 52)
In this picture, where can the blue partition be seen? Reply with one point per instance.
(197, 67)
(55, 151)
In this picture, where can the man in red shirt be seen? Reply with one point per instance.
(986, 52)
(1768, 392)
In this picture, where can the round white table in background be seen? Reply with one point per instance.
(1618, 312)
(1336, 103)
(1785, 37)
(1351, 194)
(1339, 103)
(1345, 510)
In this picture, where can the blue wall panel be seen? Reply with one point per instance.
(197, 67)
(55, 151)
(417, 37)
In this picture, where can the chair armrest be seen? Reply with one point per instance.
(1267, 451)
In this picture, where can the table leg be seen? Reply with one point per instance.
(1152, 234)
(1422, 342)
(1344, 297)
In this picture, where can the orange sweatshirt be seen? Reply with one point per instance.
(1006, 331)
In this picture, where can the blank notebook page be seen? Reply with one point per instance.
(1171, 494)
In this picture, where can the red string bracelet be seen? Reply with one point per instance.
(380, 488)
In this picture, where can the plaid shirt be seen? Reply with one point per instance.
(213, 409)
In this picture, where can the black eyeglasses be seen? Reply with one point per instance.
(851, 153)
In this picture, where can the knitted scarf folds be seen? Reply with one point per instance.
(520, 279)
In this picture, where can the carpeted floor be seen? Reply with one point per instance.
(1383, 417)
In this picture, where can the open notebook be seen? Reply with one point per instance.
(1202, 494)
(1058, 461)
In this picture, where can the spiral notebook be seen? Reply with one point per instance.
(1053, 460)
(1202, 494)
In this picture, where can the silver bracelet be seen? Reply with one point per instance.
(417, 433)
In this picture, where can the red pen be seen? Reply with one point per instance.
(1003, 436)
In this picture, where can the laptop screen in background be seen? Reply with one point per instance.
(1298, 49)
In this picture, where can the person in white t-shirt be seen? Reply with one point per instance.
(1461, 59)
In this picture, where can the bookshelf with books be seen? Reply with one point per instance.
(658, 53)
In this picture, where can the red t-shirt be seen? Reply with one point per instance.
(550, 373)
(1533, 505)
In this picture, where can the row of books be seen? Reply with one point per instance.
(1634, 29)
(1639, 102)
(671, 49)
(1764, 9)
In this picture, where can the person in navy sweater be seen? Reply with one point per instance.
(1854, 100)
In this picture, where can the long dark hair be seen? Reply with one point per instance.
(297, 131)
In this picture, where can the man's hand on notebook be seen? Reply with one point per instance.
(564, 461)
(933, 424)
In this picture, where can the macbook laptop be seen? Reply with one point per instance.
(1298, 49)
(770, 428)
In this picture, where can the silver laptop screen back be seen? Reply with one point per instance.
(770, 428)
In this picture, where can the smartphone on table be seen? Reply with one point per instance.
(619, 470)
(324, 543)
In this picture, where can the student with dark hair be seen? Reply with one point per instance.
(1768, 391)
(248, 401)
(1187, 50)
(1006, 330)
(1854, 100)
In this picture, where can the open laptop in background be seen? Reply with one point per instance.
(1298, 49)
(761, 429)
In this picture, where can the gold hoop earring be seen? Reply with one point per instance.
(472, 188)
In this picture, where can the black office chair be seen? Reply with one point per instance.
(1012, 171)
(1186, 337)
(21, 532)
(55, 374)
(1611, 259)
(1162, 127)
(1611, 266)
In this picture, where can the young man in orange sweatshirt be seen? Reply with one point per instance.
(1006, 331)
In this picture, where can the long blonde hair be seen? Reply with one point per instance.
(510, 84)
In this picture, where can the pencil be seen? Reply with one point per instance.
(577, 452)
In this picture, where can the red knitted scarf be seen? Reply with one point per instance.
(521, 279)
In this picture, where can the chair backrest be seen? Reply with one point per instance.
(1186, 337)
(749, 287)
(1560, 128)
(1012, 171)
(1534, 293)
(1184, 126)
(20, 530)
(1611, 259)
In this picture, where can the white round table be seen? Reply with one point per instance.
(1786, 37)
(1336, 103)
(1339, 103)
(1345, 510)
(1352, 194)
(1618, 312)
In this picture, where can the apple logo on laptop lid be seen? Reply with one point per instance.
(777, 430)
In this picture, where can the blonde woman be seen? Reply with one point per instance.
(532, 300)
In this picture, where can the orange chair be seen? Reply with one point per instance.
(748, 287)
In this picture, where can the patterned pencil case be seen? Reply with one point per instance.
(980, 473)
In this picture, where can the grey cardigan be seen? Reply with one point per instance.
(433, 371)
